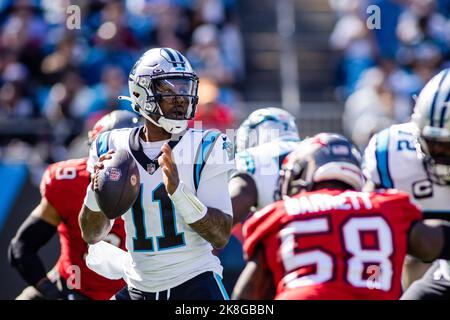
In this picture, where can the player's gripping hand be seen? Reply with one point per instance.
(99, 166)
(169, 169)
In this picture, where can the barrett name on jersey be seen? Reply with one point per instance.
(333, 244)
(164, 251)
(391, 160)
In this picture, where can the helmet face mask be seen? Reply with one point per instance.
(163, 89)
(435, 155)
(292, 179)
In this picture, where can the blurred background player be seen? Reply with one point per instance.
(328, 240)
(415, 157)
(261, 143)
(63, 188)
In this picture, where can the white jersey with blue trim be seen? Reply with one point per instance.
(392, 161)
(164, 251)
(263, 164)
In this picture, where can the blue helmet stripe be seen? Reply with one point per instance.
(444, 111)
(264, 119)
(171, 56)
(433, 105)
(180, 57)
(442, 118)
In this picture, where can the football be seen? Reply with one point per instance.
(118, 184)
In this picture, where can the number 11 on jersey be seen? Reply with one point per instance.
(170, 237)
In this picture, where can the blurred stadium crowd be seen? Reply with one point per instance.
(381, 70)
(62, 80)
(55, 82)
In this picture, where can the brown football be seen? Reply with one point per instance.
(118, 184)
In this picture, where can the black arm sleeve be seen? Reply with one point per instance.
(23, 249)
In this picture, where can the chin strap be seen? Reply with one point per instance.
(125, 98)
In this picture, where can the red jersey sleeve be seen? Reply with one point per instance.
(411, 211)
(61, 180)
(401, 201)
(50, 190)
(259, 227)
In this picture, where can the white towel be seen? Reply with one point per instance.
(107, 260)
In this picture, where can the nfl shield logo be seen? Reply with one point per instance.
(151, 168)
(113, 174)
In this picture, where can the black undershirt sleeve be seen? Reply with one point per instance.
(23, 249)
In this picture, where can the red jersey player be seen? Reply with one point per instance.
(63, 189)
(328, 240)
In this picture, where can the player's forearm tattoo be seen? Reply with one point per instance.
(215, 227)
(94, 225)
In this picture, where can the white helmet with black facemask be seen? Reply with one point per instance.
(164, 75)
(432, 118)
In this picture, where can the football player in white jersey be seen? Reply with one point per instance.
(262, 142)
(415, 157)
(184, 208)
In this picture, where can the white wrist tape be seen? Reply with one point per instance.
(187, 204)
(90, 201)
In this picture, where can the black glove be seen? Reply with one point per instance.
(49, 290)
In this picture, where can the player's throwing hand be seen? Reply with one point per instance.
(99, 166)
(169, 169)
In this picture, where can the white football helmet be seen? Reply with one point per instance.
(432, 118)
(164, 75)
(266, 125)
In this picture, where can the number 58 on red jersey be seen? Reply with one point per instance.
(333, 244)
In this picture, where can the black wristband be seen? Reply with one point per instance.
(49, 290)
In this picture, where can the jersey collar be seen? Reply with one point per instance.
(149, 165)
